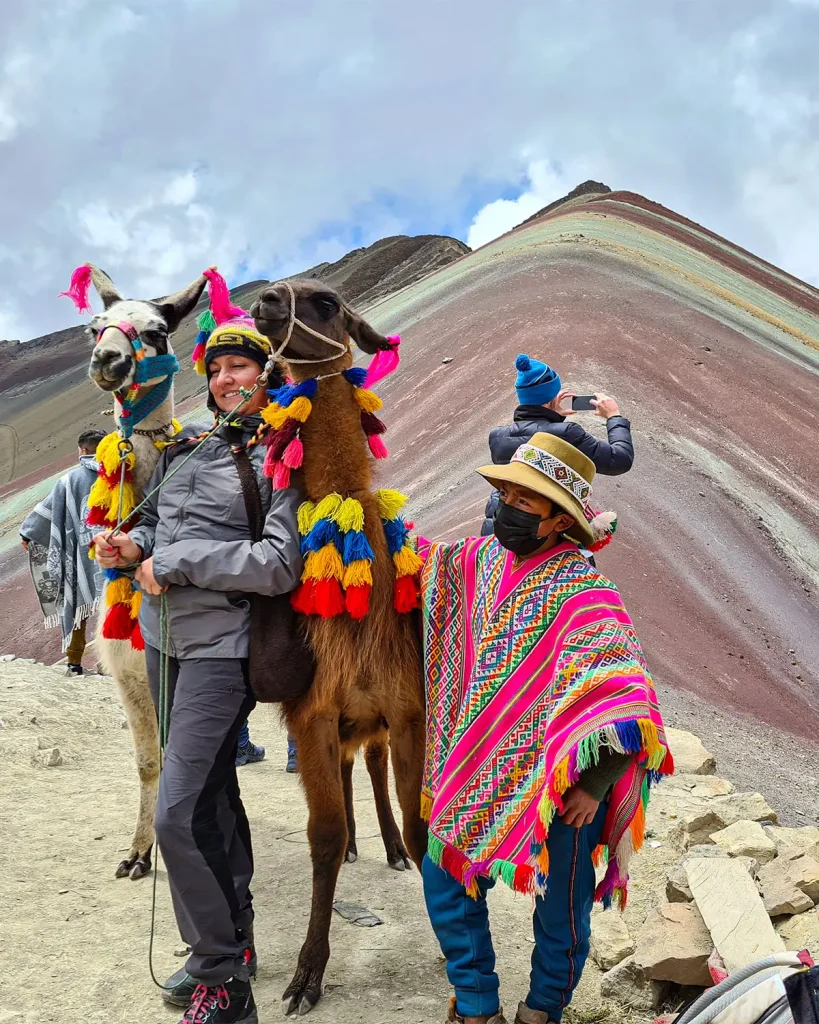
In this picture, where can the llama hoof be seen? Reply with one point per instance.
(295, 1007)
(351, 856)
(400, 863)
(135, 867)
(303, 993)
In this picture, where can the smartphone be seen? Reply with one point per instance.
(583, 403)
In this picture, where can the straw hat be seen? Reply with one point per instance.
(563, 474)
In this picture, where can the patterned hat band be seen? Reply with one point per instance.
(558, 472)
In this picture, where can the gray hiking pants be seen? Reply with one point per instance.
(201, 825)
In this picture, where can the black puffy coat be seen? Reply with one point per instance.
(611, 458)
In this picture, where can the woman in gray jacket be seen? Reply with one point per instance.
(193, 543)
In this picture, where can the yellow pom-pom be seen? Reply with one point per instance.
(324, 564)
(128, 502)
(100, 496)
(305, 517)
(300, 409)
(136, 603)
(407, 563)
(358, 573)
(367, 400)
(176, 426)
(108, 453)
(390, 503)
(275, 415)
(350, 516)
(327, 508)
(200, 367)
(92, 553)
(118, 591)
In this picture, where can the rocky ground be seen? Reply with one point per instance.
(75, 939)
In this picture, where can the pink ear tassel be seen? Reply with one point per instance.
(269, 465)
(383, 363)
(294, 454)
(78, 289)
(281, 477)
(377, 447)
(220, 304)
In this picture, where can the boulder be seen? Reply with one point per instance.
(746, 839)
(801, 932)
(674, 945)
(695, 826)
(733, 912)
(790, 884)
(806, 838)
(690, 756)
(628, 984)
(611, 942)
(701, 787)
(699, 818)
(744, 807)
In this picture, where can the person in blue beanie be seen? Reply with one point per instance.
(544, 406)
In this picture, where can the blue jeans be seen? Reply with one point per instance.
(562, 926)
(244, 735)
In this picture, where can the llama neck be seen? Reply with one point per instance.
(337, 459)
(145, 451)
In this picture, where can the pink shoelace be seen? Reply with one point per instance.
(205, 999)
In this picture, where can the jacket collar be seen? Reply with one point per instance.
(537, 412)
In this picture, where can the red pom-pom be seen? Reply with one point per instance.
(406, 594)
(357, 600)
(377, 447)
(303, 598)
(137, 641)
(280, 439)
(96, 516)
(329, 598)
(118, 625)
(294, 454)
(371, 424)
(600, 544)
(281, 476)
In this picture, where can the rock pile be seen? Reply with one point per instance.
(736, 887)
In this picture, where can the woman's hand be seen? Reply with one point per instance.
(115, 550)
(146, 579)
(605, 407)
(579, 808)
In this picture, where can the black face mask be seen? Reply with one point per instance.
(517, 530)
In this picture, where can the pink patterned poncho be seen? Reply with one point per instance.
(531, 667)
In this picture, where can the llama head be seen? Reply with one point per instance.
(115, 330)
(322, 310)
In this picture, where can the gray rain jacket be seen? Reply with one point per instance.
(197, 530)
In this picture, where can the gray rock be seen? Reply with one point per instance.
(746, 839)
(7, 657)
(790, 884)
(675, 945)
(690, 756)
(744, 807)
(805, 838)
(611, 942)
(801, 932)
(53, 758)
(628, 984)
(677, 889)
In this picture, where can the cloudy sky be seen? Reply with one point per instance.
(158, 136)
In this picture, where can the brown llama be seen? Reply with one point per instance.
(368, 669)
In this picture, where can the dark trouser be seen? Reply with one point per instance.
(562, 926)
(201, 825)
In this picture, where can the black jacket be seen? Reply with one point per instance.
(611, 457)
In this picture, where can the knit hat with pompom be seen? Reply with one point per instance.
(536, 383)
(226, 328)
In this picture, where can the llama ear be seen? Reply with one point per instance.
(177, 306)
(104, 286)
(366, 337)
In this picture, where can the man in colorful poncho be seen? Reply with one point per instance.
(544, 733)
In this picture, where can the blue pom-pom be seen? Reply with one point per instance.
(113, 574)
(324, 532)
(523, 364)
(201, 338)
(396, 533)
(356, 547)
(356, 376)
(288, 393)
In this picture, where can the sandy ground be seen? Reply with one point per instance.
(74, 940)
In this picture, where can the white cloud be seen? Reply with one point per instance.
(182, 190)
(543, 186)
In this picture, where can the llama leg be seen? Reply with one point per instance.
(319, 751)
(376, 760)
(407, 741)
(141, 715)
(347, 762)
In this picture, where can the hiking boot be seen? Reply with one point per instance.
(231, 1003)
(180, 987)
(292, 764)
(527, 1016)
(74, 670)
(454, 1016)
(249, 753)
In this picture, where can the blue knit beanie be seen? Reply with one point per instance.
(536, 383)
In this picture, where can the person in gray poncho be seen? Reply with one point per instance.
(67, 582)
